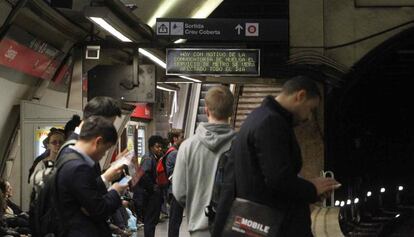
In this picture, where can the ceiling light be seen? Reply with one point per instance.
(202, 12)
(398, 215)
(191, 79)
(164, 88)
(152, 57)
(348, 202)
(400, 188)
(369, 194)
(161, 11)
(382, 190)
(110, 22)
(102, 23)
(356, 200)
(176, 82)
(337, 203)
(206, 9)
(342, 203)
(180, 41)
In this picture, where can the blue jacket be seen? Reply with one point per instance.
(149, 164)
(170, 164)
(83, 200)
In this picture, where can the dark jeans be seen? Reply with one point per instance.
(139, 199)
(176, 217)
(152, 210)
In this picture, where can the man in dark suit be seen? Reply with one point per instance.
(82, 197)
(267, 157)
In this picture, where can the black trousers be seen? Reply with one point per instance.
(176, 217)
(152, 210)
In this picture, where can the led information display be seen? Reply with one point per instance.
(219, 62)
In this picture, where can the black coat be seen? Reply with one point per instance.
(80, 188)
(267, 160)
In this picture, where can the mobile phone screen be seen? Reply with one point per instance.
(125, 180)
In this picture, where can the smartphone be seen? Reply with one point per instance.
(130, 155)
(125, 180)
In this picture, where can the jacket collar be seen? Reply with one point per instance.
(270, 102)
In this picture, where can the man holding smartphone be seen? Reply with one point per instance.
(267, 159)
(82, 197)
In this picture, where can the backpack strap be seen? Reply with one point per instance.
(65, 145)
(171, 149)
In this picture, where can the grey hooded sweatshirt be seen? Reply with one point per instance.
(194, 172)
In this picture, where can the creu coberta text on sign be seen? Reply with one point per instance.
(213, 62)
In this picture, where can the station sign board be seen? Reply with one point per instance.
(213, 62)
(275, 30)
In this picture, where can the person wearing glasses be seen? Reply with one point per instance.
(53, 142)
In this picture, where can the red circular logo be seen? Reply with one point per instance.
(251, 29)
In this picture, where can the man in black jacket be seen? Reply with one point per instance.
(267, 157)
(83, 200)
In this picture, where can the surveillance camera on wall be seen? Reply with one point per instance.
(92, 52)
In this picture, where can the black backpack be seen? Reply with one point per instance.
(44, 216)
(223, 194)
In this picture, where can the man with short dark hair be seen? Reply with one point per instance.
(102, 106)
(108, 108)
(198, 157)
(267, 158)
(152, 194)
(175, 137)
(82, 197)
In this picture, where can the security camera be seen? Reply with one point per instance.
(92, 51)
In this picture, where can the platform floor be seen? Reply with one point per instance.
(162, 229)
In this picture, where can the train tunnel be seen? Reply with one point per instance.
(369, 127)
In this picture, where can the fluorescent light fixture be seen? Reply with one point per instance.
(356, 200)
(342, 204)
(202, 12)
(106, 19)
(337, 203)
(400, 188)
(206, 9)
(174, 106)
(348, 202)
(161, 11)
(180, 41)
(152, 57)
(106, 26)
(162, 64)
(175, 82)
(369, 194)
(164, 88)
(191, 79)
(382, 190)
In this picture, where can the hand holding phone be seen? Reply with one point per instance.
(125, 180)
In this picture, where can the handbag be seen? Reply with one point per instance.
(325, 219)
(247, 218)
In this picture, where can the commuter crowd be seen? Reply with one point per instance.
(202, 177)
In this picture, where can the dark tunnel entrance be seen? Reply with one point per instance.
(370, 124)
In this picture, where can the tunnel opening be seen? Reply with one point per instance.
(370, 128)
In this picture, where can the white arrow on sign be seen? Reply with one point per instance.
(239, 28)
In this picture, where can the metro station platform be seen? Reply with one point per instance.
(162, 230)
